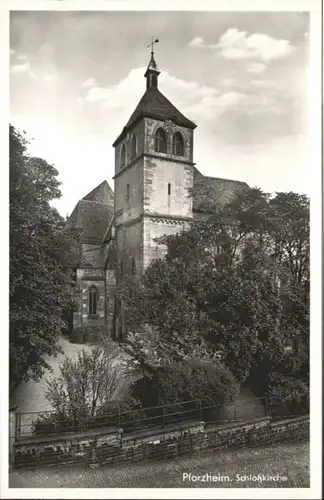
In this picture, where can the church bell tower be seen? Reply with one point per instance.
(153, 176)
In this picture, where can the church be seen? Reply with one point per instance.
(154, 194)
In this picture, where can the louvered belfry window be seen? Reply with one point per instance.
(160, 141)
(177, 144)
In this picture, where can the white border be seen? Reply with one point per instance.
(168, 5)
(313, 6)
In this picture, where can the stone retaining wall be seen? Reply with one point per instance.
(110, 446)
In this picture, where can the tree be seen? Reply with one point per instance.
(234, 286)
(85, 384)
(40, 252)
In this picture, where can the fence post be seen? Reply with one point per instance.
(200, 410)
(118, 417)
(235, 412)
(266, 406)
(163, 416)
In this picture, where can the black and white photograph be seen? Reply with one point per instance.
(160, 220)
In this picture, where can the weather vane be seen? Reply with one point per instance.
(151, 44)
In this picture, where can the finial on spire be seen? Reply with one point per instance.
(151, 44)
(152, 71)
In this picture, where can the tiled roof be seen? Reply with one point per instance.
(94, 212)
(155, 104)
(102, 194)
(208, 189)
(92, 217)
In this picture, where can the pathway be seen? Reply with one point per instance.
(30, 396)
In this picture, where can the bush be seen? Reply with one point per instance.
(287, 395)
(83, 396)
(207, 381)
(85, 384)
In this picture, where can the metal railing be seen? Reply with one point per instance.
(282, 410)
(49, 423)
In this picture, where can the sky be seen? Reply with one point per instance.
(242, 77)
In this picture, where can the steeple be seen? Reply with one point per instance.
(153, 103)
(152, 71)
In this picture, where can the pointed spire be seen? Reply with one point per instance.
(152, 71)
(152, 64)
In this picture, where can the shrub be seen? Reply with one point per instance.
(85, 384)
(287, 395)
(194, 379)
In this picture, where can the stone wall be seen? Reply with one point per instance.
(256, 432)
(164, 200)
(111, 446)
(65, 448)
(128, 200)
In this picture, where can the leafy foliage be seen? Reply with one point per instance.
(40, 251)
(234, 287)
(85, 384)
(188, 380)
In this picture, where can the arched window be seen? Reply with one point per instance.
(122, 156)
(177, 144)
(92, 301)
(133, 147)
(160, 141)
